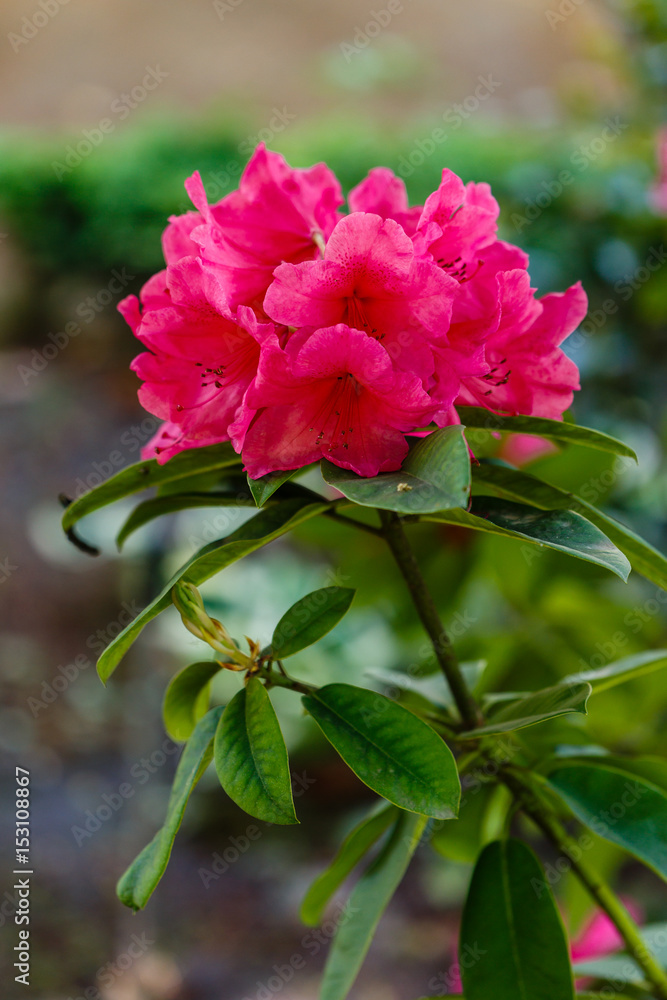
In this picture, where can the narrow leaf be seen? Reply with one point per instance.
(533, 708)
(620, 671)
(562, 530)
(434, 476)
(510, 484)
(355, 846)
(265, 487)
(139, 881)
(650, 769)
(171, 503)
(251, 756)
(388, 748)
(144, 474)
(614, 968)
(463, 840)
(309, 619)
(186, 699)
(616, 805)
(258, 531)
(513, 944)
(553, 430)
(368, 901)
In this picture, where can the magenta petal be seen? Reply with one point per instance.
(176, 242)
(384, 194)
(277, 214)
(201, 357)
(338, 397)
(371, 279)
(528, 372)
(308, 294)
(467, 216)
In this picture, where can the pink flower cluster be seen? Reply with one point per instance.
(298, 332)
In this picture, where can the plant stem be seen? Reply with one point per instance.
(352, 522)
(430, 618)
(283, 680)
(597, 888)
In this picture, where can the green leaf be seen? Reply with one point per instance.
(265, 487)
(355, 846)
(309, 619)
(136, 886)
(258, 531)
(144, 474)
(619, 968)
(368, 901)
(510, 484)
(651, 769)
(616, 805)
(553, 430)
(562, 530)
(620, 671)
(533, 708)
(388, 748)
(172, 503)
(512, 944)
(251, 756)
(435, 476)
(186, 699)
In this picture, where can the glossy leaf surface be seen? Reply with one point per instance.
(435, 476)
(251, 756)
(390, 749)
(139, 881)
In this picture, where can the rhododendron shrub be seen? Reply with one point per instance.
(404, 353)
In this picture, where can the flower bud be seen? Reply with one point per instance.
(188, 601)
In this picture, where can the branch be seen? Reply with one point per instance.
(430, 619)
(597, 888)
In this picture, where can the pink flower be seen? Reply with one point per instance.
(201, 358)
(278, 214)
(599, 938)
(460, 355)
(383, 193)
(529, 373)
(381, 321)
(522, 449)
(171, 438)
(333, 393)
(457, 222)
(456, 981)
(372, 280)
(176, 242)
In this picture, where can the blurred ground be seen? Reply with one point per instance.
(69, 417)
